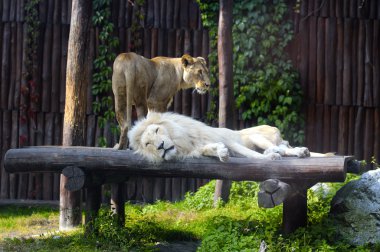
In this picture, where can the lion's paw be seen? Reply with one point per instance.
(302, 152)
(273, 156)
(223, 153)
(274, 149)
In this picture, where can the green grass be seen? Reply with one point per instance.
(239, 225)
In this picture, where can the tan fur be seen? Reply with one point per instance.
(150, 84)
(166, 136)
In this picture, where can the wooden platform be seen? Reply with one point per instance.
(90, 167)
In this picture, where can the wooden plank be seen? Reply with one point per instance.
(156, 12)
(347, 62)
(149, 21)
(353, 8)
(359, 134)
(302, 53)
(376, 149)
(163, 14)
(354, 63)
(339, 62)
(369, 135)
(326, 128)
(376, 63)
(352, 111)
(57, 11)
(6, 143)
(346, 8)
(56, 69)
(50, 12)
(169, 13)
(43, 10)
(330, 62)
(13, 65)
(320, 60)
(312, 73)
(47, 69)
(343, 130)
(13, 178)
(196, 98)
(48, 140)
(361, 63)
(295, 211)
(12, 10)
(334, 128)
(154, 43)
(121, 17)
(109, 161)
(64, 14)
(324, 6)
(19, 71)
(62, 88)
(146, 45)
(339, 8)
(319, 128)
(184, 14)
(193, 15)
(176, 23)
(368, 60)
(186, 94)
(5, 10)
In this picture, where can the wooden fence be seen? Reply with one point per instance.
(171, 28)
(338, 57)
(335, 49)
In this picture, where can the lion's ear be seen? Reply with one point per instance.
(202, 60)
(187, 60)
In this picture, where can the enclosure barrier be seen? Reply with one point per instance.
(283, 181)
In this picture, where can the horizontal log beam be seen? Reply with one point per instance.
(111, 161)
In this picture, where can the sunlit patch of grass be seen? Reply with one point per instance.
(16, 221)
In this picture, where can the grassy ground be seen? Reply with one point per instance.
(237, 226)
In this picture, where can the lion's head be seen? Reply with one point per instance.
(196, 73)
(154, 139)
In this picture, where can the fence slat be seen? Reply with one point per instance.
(368, 90)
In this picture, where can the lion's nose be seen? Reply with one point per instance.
(161, 146)
(207, 84)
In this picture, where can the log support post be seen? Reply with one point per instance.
(118, 201)
(92, 206)
(294, 213)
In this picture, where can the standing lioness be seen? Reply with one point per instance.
(150, 84)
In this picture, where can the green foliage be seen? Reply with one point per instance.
(266, 86)
(239, 225)
(102, 85)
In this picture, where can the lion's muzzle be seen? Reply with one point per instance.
(166, 150)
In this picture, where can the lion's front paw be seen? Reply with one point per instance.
(274, 149)
(273, 156)
(223, 153)
(302, 152)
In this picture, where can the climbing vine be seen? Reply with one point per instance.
(102, 77)
(266, 85)
(102, 84)
(29, 94)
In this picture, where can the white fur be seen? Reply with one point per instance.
(166, 136)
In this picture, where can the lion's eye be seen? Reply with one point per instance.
(157, 130)
(200, 71)
(146, 144)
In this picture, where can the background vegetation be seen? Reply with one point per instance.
(239, 225)
(266, 85)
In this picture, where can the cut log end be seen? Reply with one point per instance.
(75, 178)
(272, 192)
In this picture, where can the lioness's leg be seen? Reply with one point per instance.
(119, 90)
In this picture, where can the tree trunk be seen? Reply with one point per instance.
(77, 79)
(226, 88)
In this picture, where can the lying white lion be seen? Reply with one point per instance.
(166, 136)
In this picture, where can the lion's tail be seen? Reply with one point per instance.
(316, 154)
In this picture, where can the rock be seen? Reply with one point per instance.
(356, 210)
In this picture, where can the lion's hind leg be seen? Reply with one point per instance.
(216, 150)
(284, 149)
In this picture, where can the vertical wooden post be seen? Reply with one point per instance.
(92, 206)
(77, 80)
(226, 87)
(294, 213)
